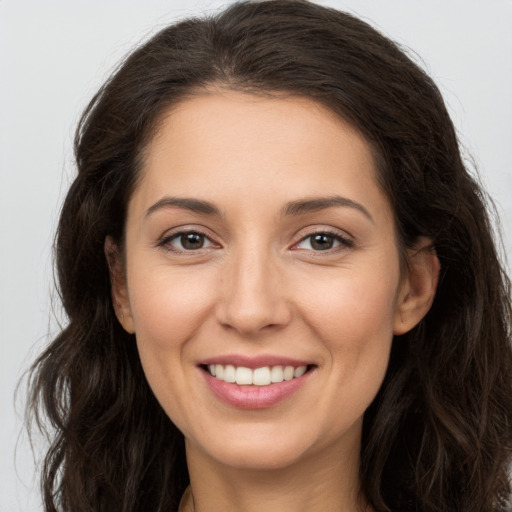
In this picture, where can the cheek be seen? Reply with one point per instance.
(353, 307)
(353, 317)
(167, 306)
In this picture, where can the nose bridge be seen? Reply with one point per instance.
(252, 295)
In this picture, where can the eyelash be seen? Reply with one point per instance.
(344, 243)
(166, 242)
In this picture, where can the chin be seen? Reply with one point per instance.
(273, 447)
(249, 455)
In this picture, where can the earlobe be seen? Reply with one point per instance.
(419, 286)
(120, 299)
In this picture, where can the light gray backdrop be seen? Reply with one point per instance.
(54, 55)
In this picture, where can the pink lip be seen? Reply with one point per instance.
(255, 362)
(254, 397)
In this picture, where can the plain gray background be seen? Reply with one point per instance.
(55, 54)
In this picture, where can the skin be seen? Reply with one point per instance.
(259, 286)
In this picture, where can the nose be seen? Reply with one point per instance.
(252, 294)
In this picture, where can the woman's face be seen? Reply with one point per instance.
(258, 240)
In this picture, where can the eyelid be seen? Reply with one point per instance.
(346, 240)
(169, 235)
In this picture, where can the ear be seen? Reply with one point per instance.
(120, 299)
(418, 286)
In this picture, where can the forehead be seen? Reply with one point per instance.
(231, 145)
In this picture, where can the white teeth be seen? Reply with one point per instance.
(288, 372)
(259, 376)
(301, 370)
(243, 375)
(276, 374)
(229, 373)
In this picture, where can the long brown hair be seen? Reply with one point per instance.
(438, 436)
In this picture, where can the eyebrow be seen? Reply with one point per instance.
(293, 208)
(314, 204)
(193, 205)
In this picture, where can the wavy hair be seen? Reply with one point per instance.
(438, 436)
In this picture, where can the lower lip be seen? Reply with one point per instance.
(254, 397)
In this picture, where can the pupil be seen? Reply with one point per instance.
(322, 242)
(192, 241)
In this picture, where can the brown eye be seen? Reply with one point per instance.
(191, 241)
(187, 241)
(323, 241)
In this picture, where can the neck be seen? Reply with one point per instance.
(327, 482)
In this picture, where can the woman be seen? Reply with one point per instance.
(282, 287)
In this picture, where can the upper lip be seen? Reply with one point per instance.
(255, 361)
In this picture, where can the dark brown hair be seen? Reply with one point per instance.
(438, 435)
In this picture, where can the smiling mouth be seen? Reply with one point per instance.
(263, 376)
